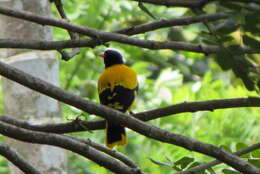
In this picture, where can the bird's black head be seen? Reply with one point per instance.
(112, 57)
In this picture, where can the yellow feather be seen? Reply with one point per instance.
(122, 142)
(116, 75)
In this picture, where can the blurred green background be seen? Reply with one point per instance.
(165, 77)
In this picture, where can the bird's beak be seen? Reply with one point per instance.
(101, 55)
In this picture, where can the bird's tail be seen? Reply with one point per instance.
(115, 135)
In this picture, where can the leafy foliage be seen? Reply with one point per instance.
(168, 77)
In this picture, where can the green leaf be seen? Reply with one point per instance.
(235, 50)
(209, 41)
(184, 162)
(240, 146)
(211, 171)
(251, 42)
(230, 5)
(255, 162)
(252, 23)
(233, 57)
(226, 148)
(224, 59)
(241, 68)
(226, 27)
(256, 153)
(228, 171)
(226, 39)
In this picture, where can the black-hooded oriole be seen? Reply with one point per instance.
(117, 88)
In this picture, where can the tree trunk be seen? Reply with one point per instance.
(23, 103)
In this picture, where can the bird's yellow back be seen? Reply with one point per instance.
(117, 88)
(119, 74)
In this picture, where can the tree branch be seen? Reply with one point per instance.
(53, 45)
(108, 151)
(66, 143)
(17, 160)
(216, 162)
(58, 128)
(74, 36)
(189, 3)
(128, 121)
(209, 105)
(63, 15)
(144, 116)
(177, 3)
(99, 37)
(171, 22)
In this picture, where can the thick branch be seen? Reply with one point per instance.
(205, 166)
(61, 128)
(53, 45)
(144, 116)
(17, 160)
(66, 143)
(130, 122)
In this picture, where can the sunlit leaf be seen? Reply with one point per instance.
(241, 146)
(228, 171)
(211, 171)
(256, 153)
(228, 149)
(255, 162)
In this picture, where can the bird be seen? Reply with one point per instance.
(117, 88)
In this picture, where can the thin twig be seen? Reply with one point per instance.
(177, 3)
(108, 151)
(189, 3)
(74, 36)
(144, 9)
(163, 23)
